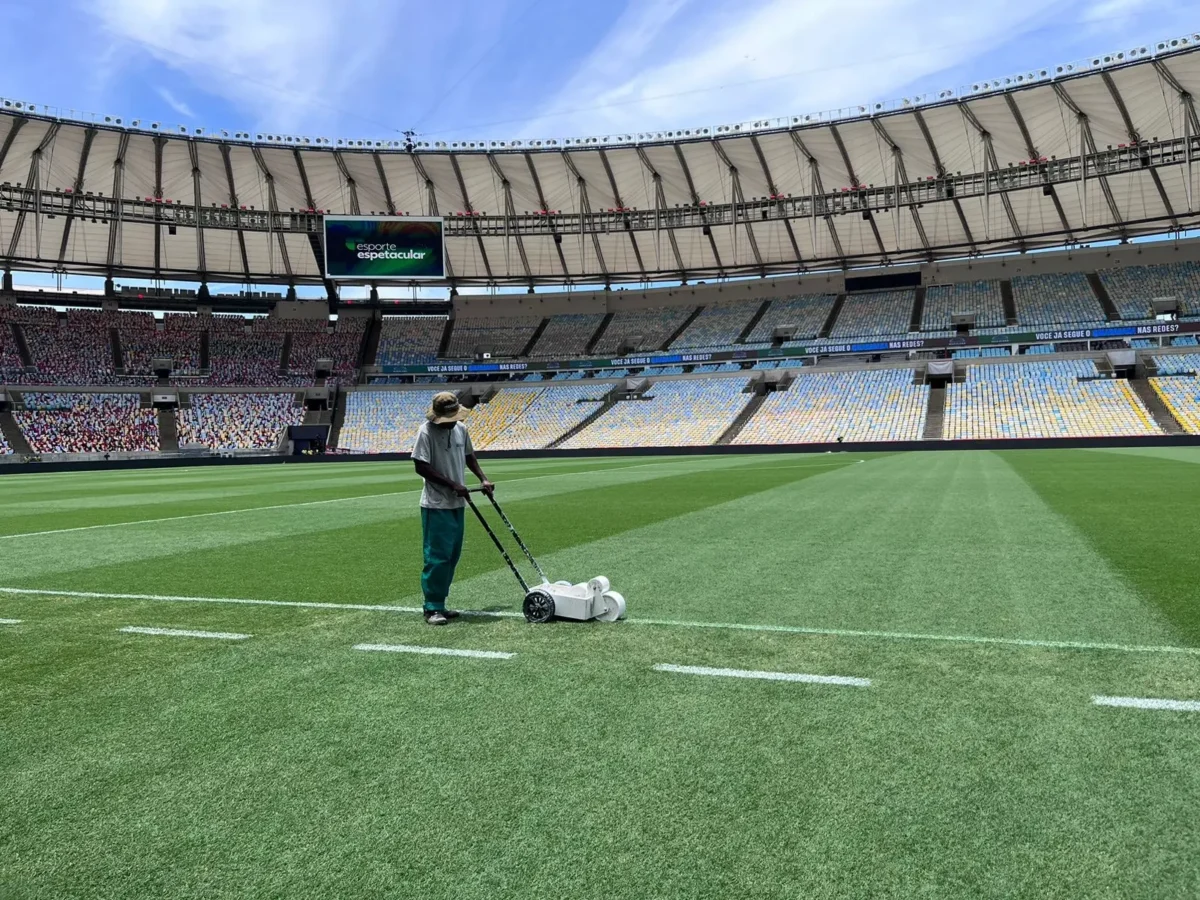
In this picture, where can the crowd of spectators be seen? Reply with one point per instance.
(75, 352)
(238, 421)
(86, 423)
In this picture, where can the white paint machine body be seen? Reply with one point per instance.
(592, 599)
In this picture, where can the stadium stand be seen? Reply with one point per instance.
(86, 423)
(179, 340)
(687, 412)
(499, 336)
(5, 449)
(383, 421)
(856, 405)
(982, 298)
(647, 329)
(1133, 287)
(72, 353)
(552, 413)
(1186, 340)
(1182, 397)
(717, 326)
(1177, 363)
(11, 367)
(566, 336)
(238, 421)
(977, 352)
(807, 313)
(1058, 299)
(874, 313)
(1042, 399)
(409, 340)
(342, 345)
(487, 421)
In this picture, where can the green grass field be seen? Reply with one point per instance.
(988, 597)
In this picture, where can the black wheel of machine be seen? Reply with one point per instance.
(538, 607)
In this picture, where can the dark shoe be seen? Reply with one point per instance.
(451, 613)
(436, 617)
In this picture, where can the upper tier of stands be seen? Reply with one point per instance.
(687, 412)
(409, 340)
(1176, 363)
(1042, 399)
(646, 329)
(875, 313)
(982, 298)
(857, 406)
(238, 421)
(717, 326)
(75, 352)
(807, 314)
(567, 336)
(1058, 299)
(1133, 287)
(86, 423)
(498, 336)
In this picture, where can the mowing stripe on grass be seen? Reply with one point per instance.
(765, 676)
(669, 623)
(434, 651)
(1148, 703)
(248, 509)
(177, 632)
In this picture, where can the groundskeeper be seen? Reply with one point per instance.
(442, 454)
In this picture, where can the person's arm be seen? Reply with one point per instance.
(426, 471)
(473, 465)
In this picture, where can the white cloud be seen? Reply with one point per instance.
(175, 103)
(704, 64)
(286, 62)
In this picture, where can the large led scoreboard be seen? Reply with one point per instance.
(381, 248)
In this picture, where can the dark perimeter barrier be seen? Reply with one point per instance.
(1176, 440)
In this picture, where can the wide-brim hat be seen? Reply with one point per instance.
(445, 408)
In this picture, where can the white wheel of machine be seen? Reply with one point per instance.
(614, 607)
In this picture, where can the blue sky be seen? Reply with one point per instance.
(505, 69)
(501, 69)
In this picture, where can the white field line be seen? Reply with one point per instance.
(230, 512)
(10, 621)
(434, 651)
(176, 632)
(669, 623)
(765, 676)
(1148, 703)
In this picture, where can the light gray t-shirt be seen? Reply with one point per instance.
(446, 449)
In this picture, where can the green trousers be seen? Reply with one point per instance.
(443, 540)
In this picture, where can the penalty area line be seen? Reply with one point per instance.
(178, 632)
(843, 680)
(10, 621)
(1147, 703)
(433, 651)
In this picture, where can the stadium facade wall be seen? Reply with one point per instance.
(1000, 268)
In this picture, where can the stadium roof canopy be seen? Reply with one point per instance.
(1055, 157)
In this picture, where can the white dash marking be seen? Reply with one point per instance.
(765, 676)
(433, 651)
(1148, 703)
(176, 632)
(10, 621)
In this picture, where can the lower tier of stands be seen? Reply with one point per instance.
(87, 423)
(854, 406)
(1043, 400)
(683, 413)
(238, 421)
(1181, 396)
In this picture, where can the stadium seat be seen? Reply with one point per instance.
(875, 313)
(687, 412)
(880, 405)
(566, 336)
(1057, 299)
(237, 421)
(1042, 399)
(982, 298)
(86, 423)
(409, 340)
(650, 327)
(806, 313)
(502, 337)
(717, 326)
(1133, 287)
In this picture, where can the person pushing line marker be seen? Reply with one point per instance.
(441, 455)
